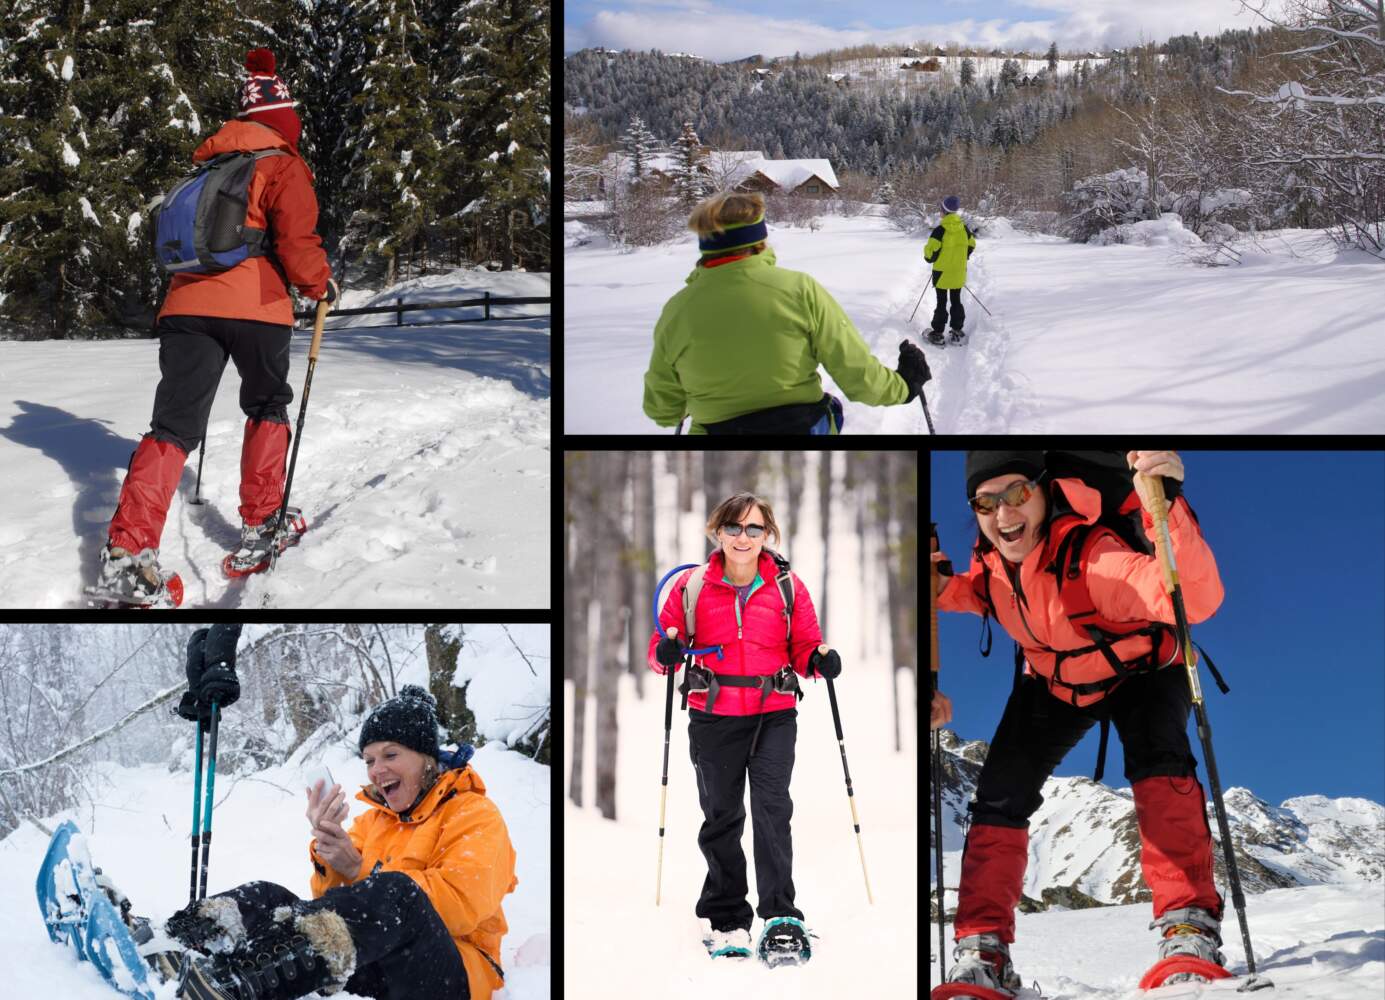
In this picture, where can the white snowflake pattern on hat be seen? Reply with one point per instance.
(248, 95)
(280, 91)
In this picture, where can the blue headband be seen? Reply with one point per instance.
(736, 237)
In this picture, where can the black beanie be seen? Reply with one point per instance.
(409, 720)
(984, 465)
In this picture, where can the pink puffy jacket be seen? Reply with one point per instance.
(760, 648)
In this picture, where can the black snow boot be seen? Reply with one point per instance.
(280, 964)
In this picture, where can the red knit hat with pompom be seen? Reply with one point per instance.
(267, 98)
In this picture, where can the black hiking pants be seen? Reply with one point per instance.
(403, 949)
(192, 355)
(720, 749)
(959, 315)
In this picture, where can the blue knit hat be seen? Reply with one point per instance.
(951, 203)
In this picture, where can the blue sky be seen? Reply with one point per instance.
(732, 29)
(1299, 540)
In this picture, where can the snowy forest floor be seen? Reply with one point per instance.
(1082, 338)
(1314, 943)
(138, 835)
(423, 470)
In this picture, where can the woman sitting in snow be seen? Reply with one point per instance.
(406, 904)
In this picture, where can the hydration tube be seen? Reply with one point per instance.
(660, 628)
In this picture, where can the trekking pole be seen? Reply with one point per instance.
(1163, 543)
(937, 767)
(926, 286)
(207, 812)
(978, 301)
(322, 308)
(196, 813)
(201, 451)
(926, 415)
(850, 798)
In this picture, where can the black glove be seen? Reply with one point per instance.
(913, 369)
(211, 673)
(669, 653)
(330, 295)
(827, 664)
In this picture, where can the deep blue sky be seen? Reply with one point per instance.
(1299, 539)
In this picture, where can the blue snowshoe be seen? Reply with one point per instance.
(784, 941)
(79, 907)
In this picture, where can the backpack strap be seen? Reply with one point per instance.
(690, 593)
(784, 580)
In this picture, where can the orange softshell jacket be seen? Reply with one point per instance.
(281, 201)
(1125, 586)
(456, 847)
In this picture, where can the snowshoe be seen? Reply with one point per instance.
(784, 941)
(935, 337)
(727, 944)
(258, 540)
(1187, 948)
(957, 338)
(279, 964)
(134, 580)
(983, 971)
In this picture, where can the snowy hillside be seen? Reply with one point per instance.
(1080, 338)
(1084, 839)
(139, 836)
(1319, 943)
(423, 469)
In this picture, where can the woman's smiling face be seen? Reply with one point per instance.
(741, 549)
(1014, 531)
(396, 771)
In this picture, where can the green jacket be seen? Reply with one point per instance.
(948, 249)
(746, 336)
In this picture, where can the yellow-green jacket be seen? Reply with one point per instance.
(745, 336)
(948, 249)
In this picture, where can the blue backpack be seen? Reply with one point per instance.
(199, 226)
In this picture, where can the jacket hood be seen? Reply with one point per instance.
(952, 222)
(765, 258)
(241, 136)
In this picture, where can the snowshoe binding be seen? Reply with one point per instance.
(935, 337)
(257, 541)
(727, 944)
(983, 971)
(956, 338)
(134, 580)
(784, 941)
(279, 964)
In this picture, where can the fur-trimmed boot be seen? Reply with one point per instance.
(294, 957)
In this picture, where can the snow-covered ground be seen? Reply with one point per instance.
(1315, 943)
(1081, 338)
(139, 835)
(423, 469)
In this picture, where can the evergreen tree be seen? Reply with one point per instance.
(1053, 58)
(968, 71)
(689, 173)
(640, 146)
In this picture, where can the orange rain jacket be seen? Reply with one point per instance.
(281, 199)
(456, 847)
(1125, 586)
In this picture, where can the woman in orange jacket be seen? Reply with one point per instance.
(406, 904)
(1094, 622)
(243, 314)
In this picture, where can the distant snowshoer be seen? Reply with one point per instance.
(948, 249)
(213, 313)
(1123, 664)
(739, 347)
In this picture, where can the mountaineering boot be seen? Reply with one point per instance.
(256, 540)
(1193, 932)
(733, 943)
(984, 960)
(936, 337)
(289, 960)
(135, 578)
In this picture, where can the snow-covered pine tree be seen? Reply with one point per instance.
(689, 173)
(640, 146)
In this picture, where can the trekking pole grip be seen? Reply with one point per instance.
(318, 320)
(1152, 487)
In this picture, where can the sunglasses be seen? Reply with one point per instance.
(751, 530)
(1016, 495)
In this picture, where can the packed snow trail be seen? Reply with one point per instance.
(1314, 943)
(423, 471)
(1082, 338)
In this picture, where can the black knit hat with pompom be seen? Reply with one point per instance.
(410, 720)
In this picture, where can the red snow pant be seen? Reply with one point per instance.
(193, 351)
(1150, 714)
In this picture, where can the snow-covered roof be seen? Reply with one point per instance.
(788, 174)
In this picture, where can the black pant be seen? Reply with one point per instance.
(959, 315)
(1149, 712)
(403, 949)
(720, 749)
(192, 355)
